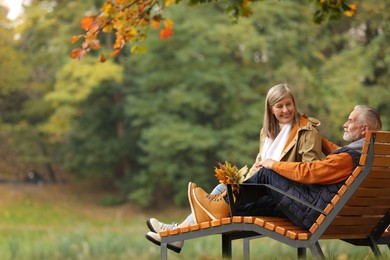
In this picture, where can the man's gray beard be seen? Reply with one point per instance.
(347, 137)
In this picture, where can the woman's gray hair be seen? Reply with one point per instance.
(369, 116)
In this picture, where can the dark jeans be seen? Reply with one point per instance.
(257, 200)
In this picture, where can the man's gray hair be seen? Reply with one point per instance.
(369, 116)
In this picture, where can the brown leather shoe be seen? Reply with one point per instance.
(214, 206)
(197, 212)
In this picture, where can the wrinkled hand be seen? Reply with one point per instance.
(257, 166)
(267, 163)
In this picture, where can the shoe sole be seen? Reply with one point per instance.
(203, 208)
(150, 226)
(169, 246)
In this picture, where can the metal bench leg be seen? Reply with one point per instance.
(317, 251)
(301, 252)
(164, 251)
(374, 247)
(246, 246)
(226, 246)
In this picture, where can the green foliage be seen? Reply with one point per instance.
(68, 96)
(111, 200)
(154, 122)
(194, 109)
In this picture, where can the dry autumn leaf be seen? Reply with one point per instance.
(352, 11)
(77, 53)
(169, 2)
(119, 16)
(166, 33)
(155, 24)
(168, 23)
(75, 38)
(86, 22)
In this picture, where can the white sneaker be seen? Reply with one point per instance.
(156, 239)
(156, 226)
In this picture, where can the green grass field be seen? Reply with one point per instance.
(67, 222)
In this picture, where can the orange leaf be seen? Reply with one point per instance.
(95, 44)
(352, 10)
(166, 33)
(77, 53)
(168, 23)
(155, 24)
(169, 2)
(102, 58)
(75, 38)
(115, 52)
(87, 22)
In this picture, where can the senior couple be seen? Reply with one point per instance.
(289, 158)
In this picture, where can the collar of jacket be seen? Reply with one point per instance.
(305, 123)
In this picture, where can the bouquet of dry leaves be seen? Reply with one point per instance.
(230, 174)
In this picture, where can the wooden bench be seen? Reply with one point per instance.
(359, 214)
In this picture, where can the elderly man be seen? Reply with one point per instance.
(314, 182)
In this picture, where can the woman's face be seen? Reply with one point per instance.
(284, 110)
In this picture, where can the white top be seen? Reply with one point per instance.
(272, 149)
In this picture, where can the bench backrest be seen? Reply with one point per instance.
(362, 205)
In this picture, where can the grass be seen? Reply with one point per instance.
(67, 222)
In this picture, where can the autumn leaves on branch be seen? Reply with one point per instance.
(130, 20)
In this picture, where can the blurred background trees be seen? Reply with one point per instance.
(150, 123)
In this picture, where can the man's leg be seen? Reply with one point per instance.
(260, 200)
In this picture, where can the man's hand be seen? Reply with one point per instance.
(267, 163)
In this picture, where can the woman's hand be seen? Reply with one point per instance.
(267, 163)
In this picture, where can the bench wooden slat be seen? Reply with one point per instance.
(343, 236)
(302, 236)
(249, 219)
(237, 219)
(263, 219)
(194, 227)
(328, 208)
(375, 183)
(369, 192)
(342, 190)
(353, 211)
(379, 160)
(358, 220)
(204, 225)
(361, 230)
(272, 225)
(380, 148)
(379, 173)
(368, 201)
(216, 223)
(185, 229)
(285, 228)
(349, 181)
(357, 171)
(380, 136)
(226, 221)
(174, 231)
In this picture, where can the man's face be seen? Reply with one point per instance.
(353, 129)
